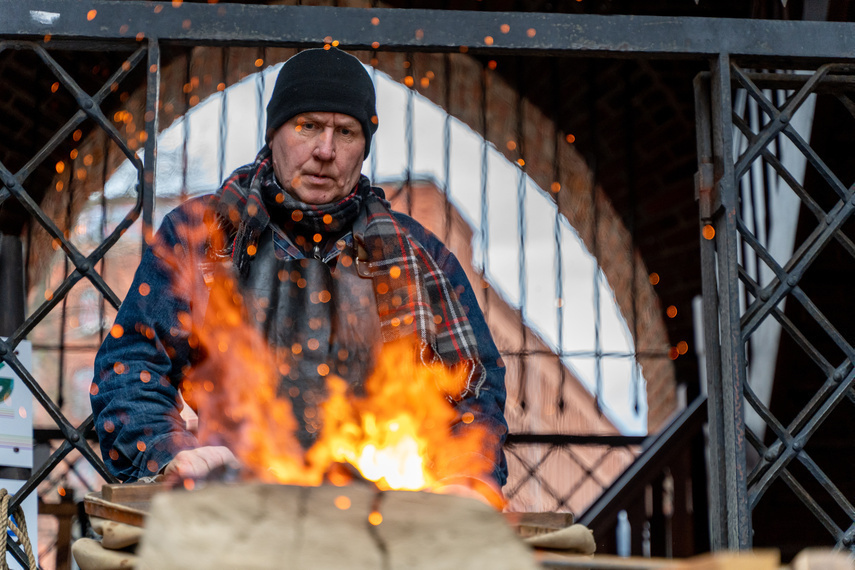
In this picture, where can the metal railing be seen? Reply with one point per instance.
(736, 304)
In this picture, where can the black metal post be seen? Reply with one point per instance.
(727, 442)
(151, 128)
(11, 283)
(706, 195)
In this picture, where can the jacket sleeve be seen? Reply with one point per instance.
(134, 395)
(487, 405)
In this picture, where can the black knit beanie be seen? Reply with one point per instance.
(327, 80)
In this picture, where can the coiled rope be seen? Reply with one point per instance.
(8, 524)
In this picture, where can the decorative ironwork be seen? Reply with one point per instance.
(732, 324)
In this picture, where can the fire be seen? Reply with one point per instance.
(398, 434)
(400, 430)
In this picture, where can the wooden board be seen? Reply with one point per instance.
(132, 513)
(326, 528)
(536, 524)
(131, 492)
(130, 502)
(754, 560)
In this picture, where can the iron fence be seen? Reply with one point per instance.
(739, 298)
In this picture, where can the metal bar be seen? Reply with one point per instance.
(825, 392)
(764, 452)
(833, 375)
(43, 435)
(781, 122)
(446, 148)
(532, 472)
(8, 354)
(88, 104)
(798, 264)
(11, 283)
(828, 485)
(576, 439)
(709, 206)
(847, 102)
(83, 264)
(555, 78)
(812, 505)
(152, 97)
(846, 384)
(57, 139)
(73, 439)
(796, 292)
(787, 81)
(30, 205)
(39, 475)
(826, 325)
(683, 426)
(790, 328)
(806, 198)
(590, 476)
(522, 185)
(580, 34)
(765, 414)
(728, 445)
(484, 227)
(545, 485)
(80, 116)
(779, 118)
(590, 471)
(43, 309)
(14, 548)
(798, 441)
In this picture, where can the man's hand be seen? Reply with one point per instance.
(197, 463)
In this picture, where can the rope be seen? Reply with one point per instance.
(7, 524)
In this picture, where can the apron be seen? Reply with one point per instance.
(319, 316)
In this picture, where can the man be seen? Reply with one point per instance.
(302, 208)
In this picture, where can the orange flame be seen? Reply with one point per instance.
(403, 433)
(398, 435)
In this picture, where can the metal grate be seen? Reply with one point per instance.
(750, 283)
(581, 462)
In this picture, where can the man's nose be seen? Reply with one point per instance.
(325, 147)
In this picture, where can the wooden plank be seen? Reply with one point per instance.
(756, 560)
(822, 559)
(130, 513)
(553, 521)
(602, 561)
(131, 492)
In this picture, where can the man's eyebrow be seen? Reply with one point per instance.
(349, 121)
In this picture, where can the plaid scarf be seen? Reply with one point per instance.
(414, 297)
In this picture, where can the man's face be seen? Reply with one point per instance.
(317, 157)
